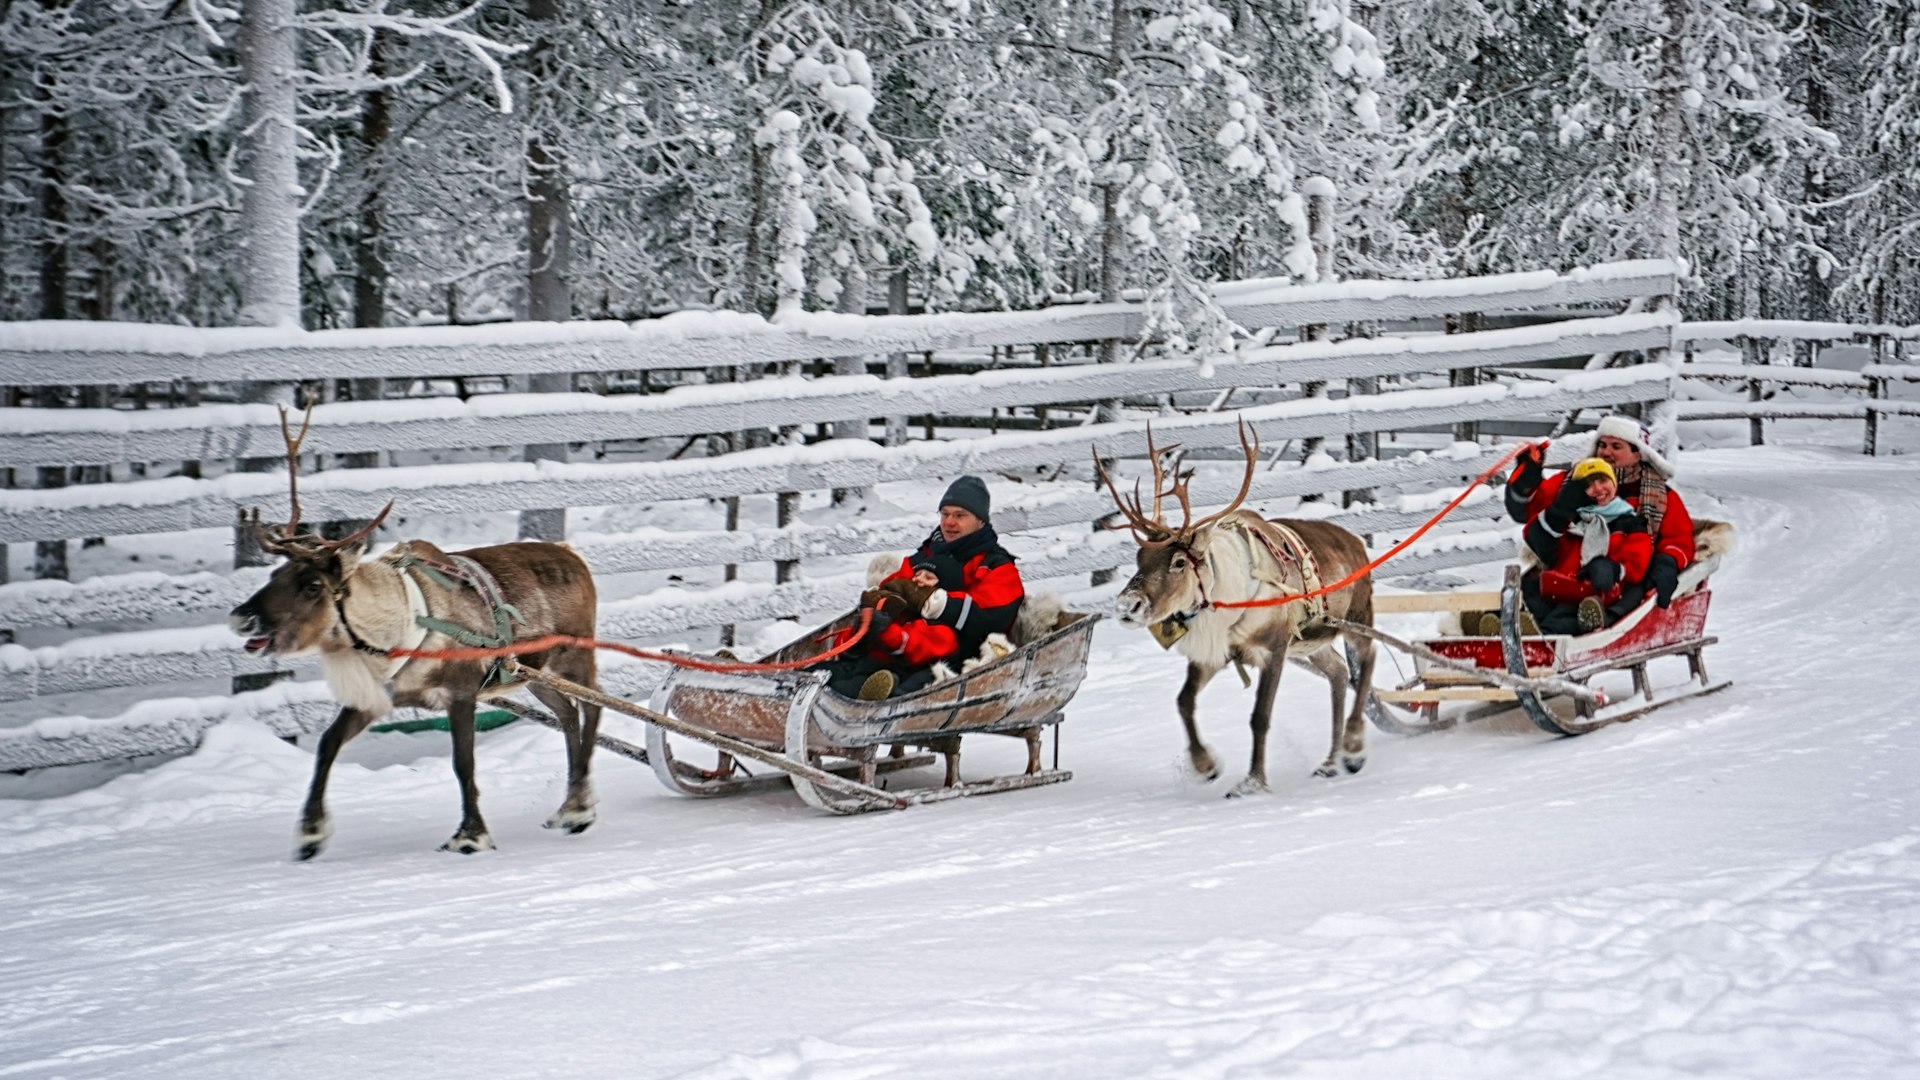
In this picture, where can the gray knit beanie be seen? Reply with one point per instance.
(969, 493)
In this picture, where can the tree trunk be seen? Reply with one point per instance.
(270, 203)
(370, 262)
(1670, 120)
(549, 229)
(897, 362)
(50, 556)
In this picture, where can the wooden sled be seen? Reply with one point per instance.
(1447, 678)
(794, 714)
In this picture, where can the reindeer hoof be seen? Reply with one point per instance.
(311, 843)
(1353, 763)
(1327, 771)
(468, 845)
(1203, 766)
(1252, 785)
(574, 822)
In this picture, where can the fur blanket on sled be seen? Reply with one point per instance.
(1039, 614)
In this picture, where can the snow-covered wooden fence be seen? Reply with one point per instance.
(83, 353)
(1873, 383)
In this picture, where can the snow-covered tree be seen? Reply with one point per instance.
(1885, 285)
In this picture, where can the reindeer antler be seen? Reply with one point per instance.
(293, 462)
(1136, 519)
(1252, 450)
(1149, 526)
(288, 541)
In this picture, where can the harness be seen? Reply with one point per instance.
(457, 572)
(1289, 548)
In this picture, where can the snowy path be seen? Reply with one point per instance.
(1728, 888)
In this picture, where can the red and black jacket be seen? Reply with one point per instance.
(984, 592)
(1674, 539)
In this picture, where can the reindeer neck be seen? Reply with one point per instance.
(1230, 563)
(377, 608)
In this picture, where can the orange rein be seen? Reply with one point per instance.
(1276, 601)
(559, 641)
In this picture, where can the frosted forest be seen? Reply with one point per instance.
(341, 164)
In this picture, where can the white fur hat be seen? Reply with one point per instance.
(1629, 430)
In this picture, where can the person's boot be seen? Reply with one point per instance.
(1592, 614)
(878, 687)
(1490, 625)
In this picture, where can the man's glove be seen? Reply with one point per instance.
(1567, 503)
(881, 620)
(935, 605)
(1663, 576)
(1528, 470)
(1602, 573)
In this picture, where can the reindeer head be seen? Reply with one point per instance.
(1170, 576)
(298, 607)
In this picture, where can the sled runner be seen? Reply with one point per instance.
(795, 715)
(1559, 689)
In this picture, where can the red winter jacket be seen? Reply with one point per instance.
(984, 592)
(1676, 526)
(1628, 544)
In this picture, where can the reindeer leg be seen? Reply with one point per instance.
(1256, 779)
(1333, 667)
(471, 836)
(314, 826)
(1197, 753)
(1353, 747)
(576, 810)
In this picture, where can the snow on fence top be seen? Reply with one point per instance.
(99, 436)
(1793, 330)
(133, 353)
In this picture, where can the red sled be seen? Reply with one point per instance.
(1562, 696)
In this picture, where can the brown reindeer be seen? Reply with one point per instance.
(327, 599)
(1236, 555)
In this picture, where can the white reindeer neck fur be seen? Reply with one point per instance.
(1230, 575)
(381, 605)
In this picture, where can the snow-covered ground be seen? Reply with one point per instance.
(1730, 887)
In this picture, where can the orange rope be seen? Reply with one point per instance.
(558, 641)
(1396, 549)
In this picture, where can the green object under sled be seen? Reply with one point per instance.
(485, 720)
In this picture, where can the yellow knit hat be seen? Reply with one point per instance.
(1591, 467)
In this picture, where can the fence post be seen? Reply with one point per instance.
(1466, 322)
(1320, 233)
(787, 503)
(1751, 354)
(1876, 391)
(896, 426)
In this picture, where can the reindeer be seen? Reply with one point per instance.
(352, 611)
(1236, 555)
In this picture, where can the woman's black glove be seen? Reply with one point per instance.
(1602, 573)
(1567, 503)
(1663, 576)
(1528, 470)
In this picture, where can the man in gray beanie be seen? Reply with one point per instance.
(974, 590)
